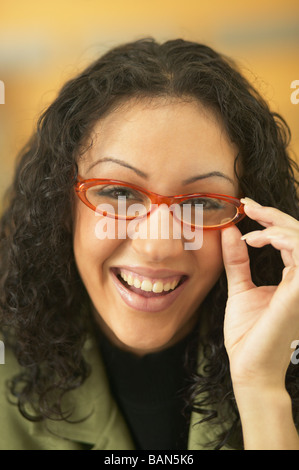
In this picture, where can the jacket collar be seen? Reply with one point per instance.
(97, 421)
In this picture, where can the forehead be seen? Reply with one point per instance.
(154, 134)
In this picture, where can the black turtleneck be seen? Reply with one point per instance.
(149, 392)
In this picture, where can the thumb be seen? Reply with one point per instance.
(236, 261)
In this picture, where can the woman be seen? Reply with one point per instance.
(117, 339)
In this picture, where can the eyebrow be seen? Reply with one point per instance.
(144, 175)
(208, 175)
(119, 162)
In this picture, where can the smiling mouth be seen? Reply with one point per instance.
(147, 287)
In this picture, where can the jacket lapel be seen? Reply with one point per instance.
(95, 418)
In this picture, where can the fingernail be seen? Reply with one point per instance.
(251, 235)
(247, 200)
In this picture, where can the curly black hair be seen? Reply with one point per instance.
(43, 302)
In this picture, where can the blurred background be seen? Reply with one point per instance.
(43, 44)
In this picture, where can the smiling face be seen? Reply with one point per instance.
(146, 292)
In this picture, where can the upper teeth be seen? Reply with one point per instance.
(147, 285)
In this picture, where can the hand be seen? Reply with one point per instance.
(261, 322)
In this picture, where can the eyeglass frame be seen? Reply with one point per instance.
(81, 186)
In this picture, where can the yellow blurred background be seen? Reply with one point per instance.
(43, 44)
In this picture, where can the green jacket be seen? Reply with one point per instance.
(104, 428)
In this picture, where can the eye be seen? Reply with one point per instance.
(115, 192)
(207, 203)
(211, 203)
(114, 195)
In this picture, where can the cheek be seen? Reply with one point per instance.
(209, 257)
(90, 251)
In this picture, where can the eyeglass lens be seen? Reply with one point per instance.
(127, 202)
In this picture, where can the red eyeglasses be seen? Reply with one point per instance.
(121, 200)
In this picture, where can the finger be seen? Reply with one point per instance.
(268, 216)
(236, 261)
(286, 299)
(282, 238)
(285, 272)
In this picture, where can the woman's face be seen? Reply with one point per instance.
(168, 147)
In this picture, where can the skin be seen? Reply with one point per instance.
(260, 326)
(180, 139)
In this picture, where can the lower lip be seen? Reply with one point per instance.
(146, 304)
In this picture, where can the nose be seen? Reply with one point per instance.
(159, 236)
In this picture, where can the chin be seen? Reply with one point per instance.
(142, 341)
